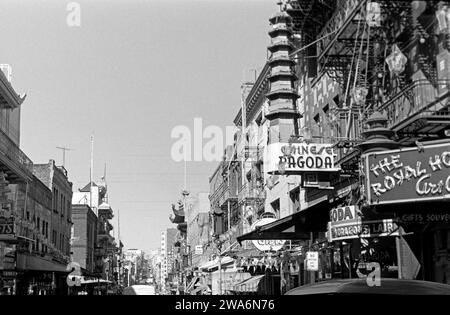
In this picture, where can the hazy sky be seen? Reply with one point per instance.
(133, 71)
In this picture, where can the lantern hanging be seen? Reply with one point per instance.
(443, 18)
(270, 182)
(373, 16)
(396, 61)
(282, 168)
(359, 95)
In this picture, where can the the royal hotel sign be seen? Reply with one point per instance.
(407, 175)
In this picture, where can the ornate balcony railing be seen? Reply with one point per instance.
(224, 193)
(342, 17)
(250, 193)
(418, 100)
(13, 153)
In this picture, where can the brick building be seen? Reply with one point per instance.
(33, 259)
(55, 178)
(84, 238)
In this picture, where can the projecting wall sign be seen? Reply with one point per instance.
(299, 157)
(345, 223)
(267, 245)
(408, 175)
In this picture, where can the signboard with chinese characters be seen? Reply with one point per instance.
(407, 175)
(198, 249)
(267, 245)
(6, 228)
(299, 158)
(345, 223)
(312, 261)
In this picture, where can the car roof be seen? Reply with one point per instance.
(386, 287)
(139, 289)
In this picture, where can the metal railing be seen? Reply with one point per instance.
(420, 97)
(224, 193)
(248, 192)
(12, 152)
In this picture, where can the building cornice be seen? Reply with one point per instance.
(8, 97)
(254, 94)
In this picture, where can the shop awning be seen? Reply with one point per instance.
(215, 263)
(199, 289)
(294, 227)
(28, 262)
(249, 285)
(192, 284)
(94, 281)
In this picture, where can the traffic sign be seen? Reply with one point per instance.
(312, 261)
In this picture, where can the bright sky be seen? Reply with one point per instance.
(133, 71)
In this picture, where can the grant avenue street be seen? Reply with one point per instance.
(225, 154)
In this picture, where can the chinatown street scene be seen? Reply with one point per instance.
(224, 147)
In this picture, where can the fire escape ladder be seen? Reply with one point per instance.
(424, 58)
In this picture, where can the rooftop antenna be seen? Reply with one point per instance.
(91, 169)
(106, 185)
(118, 225)
(64, 149)
(185, 171)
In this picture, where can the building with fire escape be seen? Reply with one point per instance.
(370, 145)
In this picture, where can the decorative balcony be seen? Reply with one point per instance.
(420, 110)
(13, 161)
(249, 194)
(105, 211)
(224, 194)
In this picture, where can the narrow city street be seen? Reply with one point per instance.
(233, 148)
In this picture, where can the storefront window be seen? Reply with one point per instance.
(326, 264)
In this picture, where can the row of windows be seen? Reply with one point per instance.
(61, 242)
(60, 203)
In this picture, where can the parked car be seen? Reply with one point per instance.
(360, 286)
(140, 289)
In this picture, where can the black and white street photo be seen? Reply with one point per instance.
(244, 149)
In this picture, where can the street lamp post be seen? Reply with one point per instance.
(219, 248)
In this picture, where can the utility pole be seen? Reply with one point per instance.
(64, 149)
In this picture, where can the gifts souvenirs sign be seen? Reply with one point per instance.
(407, 175)
(299, 158)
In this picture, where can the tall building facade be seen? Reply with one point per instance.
(168, 238)
(372, 82)
(35, 233)
(84, 238)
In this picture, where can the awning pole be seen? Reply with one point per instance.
(312, 273)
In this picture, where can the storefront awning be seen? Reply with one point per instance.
(299, 225)
(200, 289)
(294, 227)
(215, 263)
(27, 262)
(249, 285)
(192, 284)
(94, 281)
